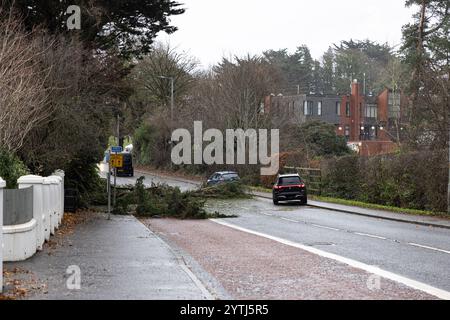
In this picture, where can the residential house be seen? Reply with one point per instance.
(370, 124)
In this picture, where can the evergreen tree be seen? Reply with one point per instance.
(128, 27)
(426, 47)
(328, 71)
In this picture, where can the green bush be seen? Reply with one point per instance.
(82, 175)
(320, 139)
(341, 177)
(414, 180)
(11, 168)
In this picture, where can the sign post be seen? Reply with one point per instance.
(115, 161)
(108, 183)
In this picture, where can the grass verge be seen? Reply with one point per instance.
(366, 205)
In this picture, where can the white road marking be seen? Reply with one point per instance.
(268, 214)
(290, 220)
(325, 227)
(370, 235)
(439, 293)
(427, 247)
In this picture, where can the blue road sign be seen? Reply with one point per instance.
(116, 149)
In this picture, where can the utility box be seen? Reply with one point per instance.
(71, 202)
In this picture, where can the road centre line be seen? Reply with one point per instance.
(427, 247)
(370, 235)
(325, 227)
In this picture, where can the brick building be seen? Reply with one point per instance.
(370, 124)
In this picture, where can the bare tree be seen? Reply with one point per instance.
(151, 73)
(231, 95)
(23, 94)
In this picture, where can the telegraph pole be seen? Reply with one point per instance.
(115, 169)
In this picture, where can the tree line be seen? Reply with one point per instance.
(62, 90)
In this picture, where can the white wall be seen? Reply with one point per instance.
(21, 242)
(2, 185)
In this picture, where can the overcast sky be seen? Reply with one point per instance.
(211, 29)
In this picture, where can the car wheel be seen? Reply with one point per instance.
(275, 202)
(304, 202)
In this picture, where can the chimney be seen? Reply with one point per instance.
(355, 88)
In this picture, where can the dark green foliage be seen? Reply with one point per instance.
(98, 196)
(415, 180)
(11, 168)
(353, 59)
(320, 139)
(126, 26)
(339, 66)
(296, 69)
(144, 138)
(230, 190)
(426, 49)
(341, 177)
(161, 201)
(81, 174)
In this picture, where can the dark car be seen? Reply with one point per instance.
(289, 187)
(127, 170)
(222, 177)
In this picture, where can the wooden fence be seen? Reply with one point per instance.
(312, 178)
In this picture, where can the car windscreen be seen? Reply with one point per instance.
(288, 181)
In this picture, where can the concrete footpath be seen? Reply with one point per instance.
(118, 259)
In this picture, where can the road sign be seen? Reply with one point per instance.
(117, 149)
(116, 161)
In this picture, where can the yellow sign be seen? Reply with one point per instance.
(116, 161)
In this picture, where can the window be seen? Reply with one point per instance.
(394, 105)
(287, 181)
(338, 108)
(347, 109)
(231, 177)
(307, 108)
(347, 132)
(319, 108)
(371, 111)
